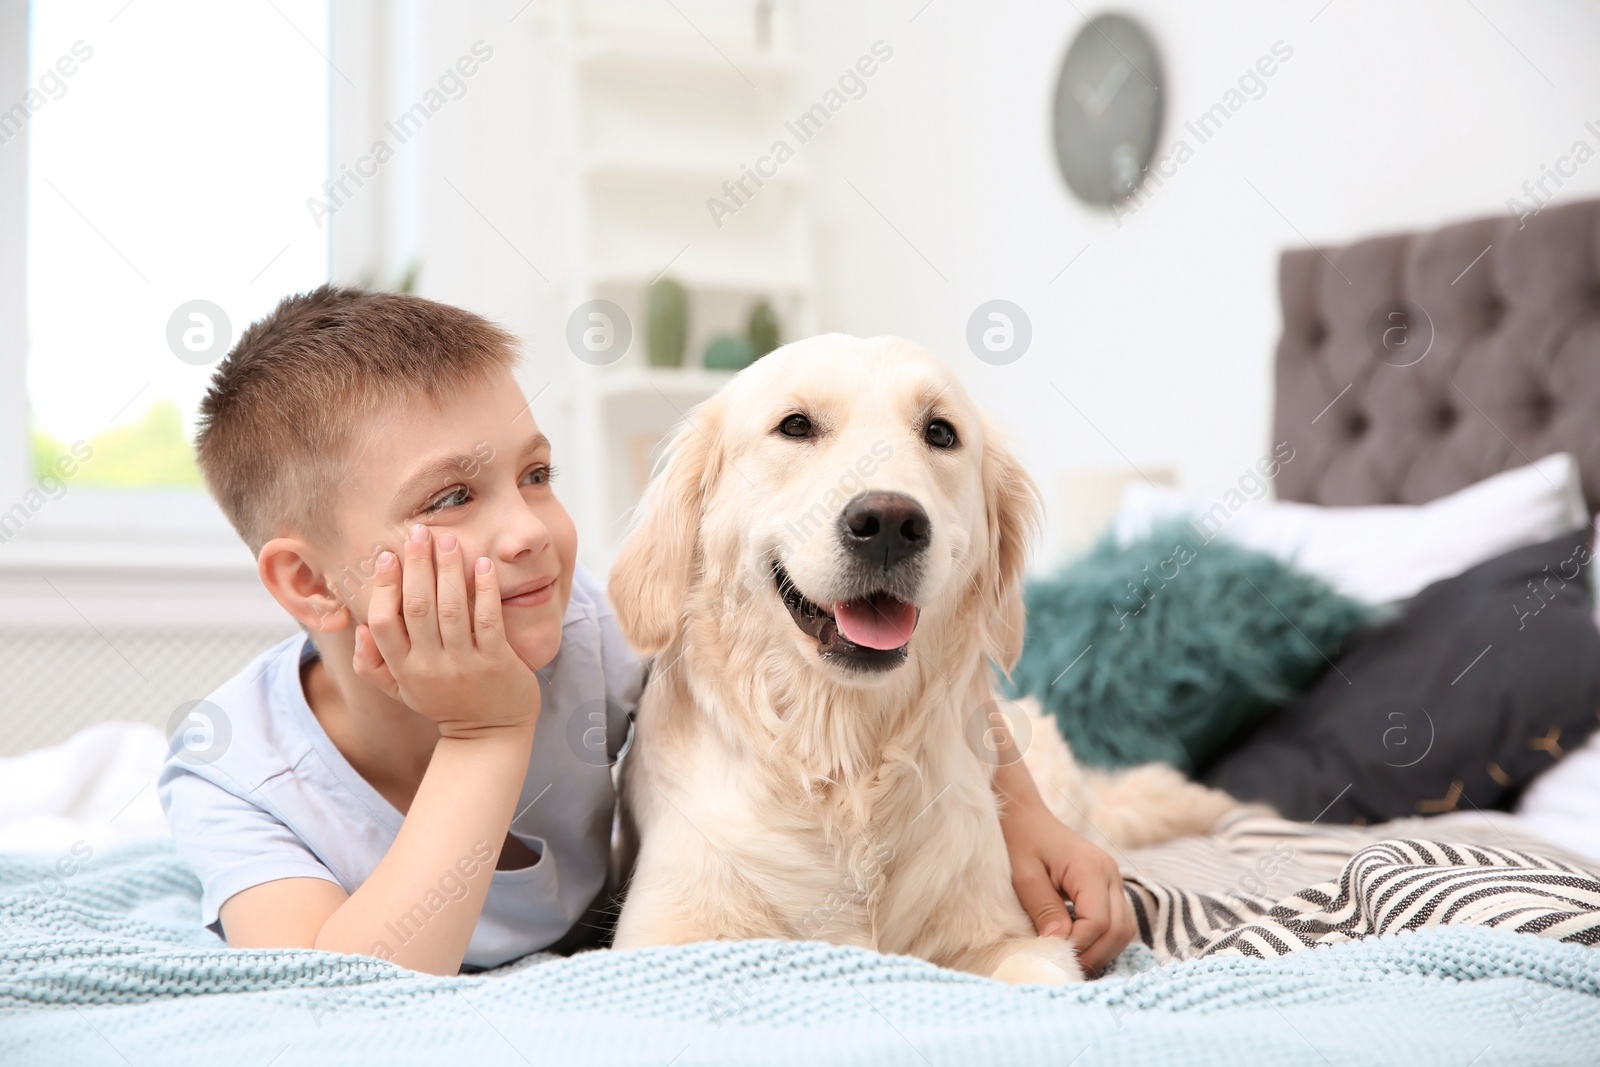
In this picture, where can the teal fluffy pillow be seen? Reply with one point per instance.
(1166, 649)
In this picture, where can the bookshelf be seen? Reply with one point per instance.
(654, 108)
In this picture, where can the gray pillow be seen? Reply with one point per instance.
(1479, 683)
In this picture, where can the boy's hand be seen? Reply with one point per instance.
(445, 663)
(1047, 860)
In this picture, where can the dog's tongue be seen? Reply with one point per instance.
(881, 622)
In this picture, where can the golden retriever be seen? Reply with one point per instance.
(823, 566)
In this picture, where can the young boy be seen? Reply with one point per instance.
(372, 785)
(424, 773)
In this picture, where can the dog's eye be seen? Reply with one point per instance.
(795, 426)
(940, 434)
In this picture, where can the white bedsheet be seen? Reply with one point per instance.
(98, 787)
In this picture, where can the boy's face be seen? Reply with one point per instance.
(477, 468)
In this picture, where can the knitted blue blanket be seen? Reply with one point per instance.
(110, 965)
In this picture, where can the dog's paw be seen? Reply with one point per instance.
(1040, 961)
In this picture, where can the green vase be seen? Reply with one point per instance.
(762, 330)
(729, 353)
(667, 329)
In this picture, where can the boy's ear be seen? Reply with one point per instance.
(284, 568)
(1014, 511)
(650, 578)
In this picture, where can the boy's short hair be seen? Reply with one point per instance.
(274, 429)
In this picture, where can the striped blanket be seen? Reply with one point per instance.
(1265, 887)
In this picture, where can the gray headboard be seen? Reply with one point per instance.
(1413, 365)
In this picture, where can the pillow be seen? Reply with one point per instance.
(1163, 650)
(1479, 684)
(1561, 804)
(1594, 541)
(1387, 553)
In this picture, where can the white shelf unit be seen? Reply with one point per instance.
(655, 115)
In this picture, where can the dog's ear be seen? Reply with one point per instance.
(649, 580)
(1014, 511)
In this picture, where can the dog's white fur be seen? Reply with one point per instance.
(772, 794)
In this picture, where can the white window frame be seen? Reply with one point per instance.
(13, 263)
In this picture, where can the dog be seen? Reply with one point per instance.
(825, 562)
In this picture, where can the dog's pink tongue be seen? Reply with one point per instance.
(882, 622)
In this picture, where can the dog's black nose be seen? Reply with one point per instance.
(884, 528)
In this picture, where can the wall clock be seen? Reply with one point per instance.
(1107, 109)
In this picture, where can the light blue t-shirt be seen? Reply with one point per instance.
(254, 790)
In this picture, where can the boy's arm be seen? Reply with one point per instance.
(486, 702)
(466, 795)
(282, 913)
(1049, 860)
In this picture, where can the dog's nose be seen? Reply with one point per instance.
(884, 528)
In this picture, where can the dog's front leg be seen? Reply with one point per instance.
(673, 898)
(1025, 960)
(965, 915)
(659, 910)
(1008, 949)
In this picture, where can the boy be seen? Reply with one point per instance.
(373, 784)
(376, 784)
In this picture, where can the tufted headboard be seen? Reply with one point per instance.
(1413, 365)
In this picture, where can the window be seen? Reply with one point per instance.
(169, 162)
(171, 149)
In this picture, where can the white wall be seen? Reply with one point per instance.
(1385, 118)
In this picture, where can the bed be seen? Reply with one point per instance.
(1466, 938)
(1494, 362)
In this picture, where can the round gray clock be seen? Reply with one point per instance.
(1107, 109)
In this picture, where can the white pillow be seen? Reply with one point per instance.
(1384, 553)
(1560, 804)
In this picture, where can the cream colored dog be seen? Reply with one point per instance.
(824, 567)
